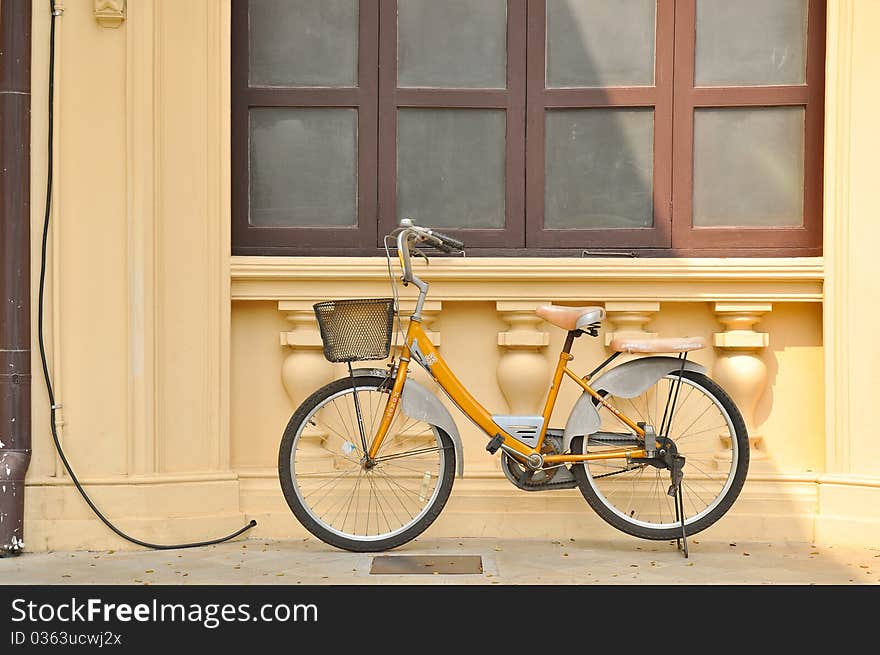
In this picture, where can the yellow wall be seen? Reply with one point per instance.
(178, 365)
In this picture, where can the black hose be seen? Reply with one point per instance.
(46, 375)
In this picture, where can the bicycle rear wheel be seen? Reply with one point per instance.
(706, 428)
(346, 503)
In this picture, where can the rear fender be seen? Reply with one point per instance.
(625, 381)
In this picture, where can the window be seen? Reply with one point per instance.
(546, 127)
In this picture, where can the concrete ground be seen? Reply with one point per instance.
(506, 561)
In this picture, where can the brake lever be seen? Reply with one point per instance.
(419, 253)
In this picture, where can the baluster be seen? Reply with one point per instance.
(523, 372)
(629, 319)
(740, 369)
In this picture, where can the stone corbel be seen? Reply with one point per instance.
(629, 319)
(522, 367)
(740, 369)
(110, 13)
(305, 368)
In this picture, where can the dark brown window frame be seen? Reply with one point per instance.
(525, 101)
(542, 99)
(512, 100)
(802, 240)
(249, 239)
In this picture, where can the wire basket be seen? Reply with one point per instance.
(356, 330)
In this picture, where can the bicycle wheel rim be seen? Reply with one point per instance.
(696, 473)
(374, 480)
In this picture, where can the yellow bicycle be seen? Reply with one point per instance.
(367, 462)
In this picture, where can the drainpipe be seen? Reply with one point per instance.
(15, 269)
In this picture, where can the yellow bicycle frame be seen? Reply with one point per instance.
(418, 344)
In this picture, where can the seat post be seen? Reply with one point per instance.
(569, 340)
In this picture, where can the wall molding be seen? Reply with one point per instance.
(797, 279)
(110, 13)
(836, 237)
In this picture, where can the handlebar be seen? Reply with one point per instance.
(411, 235)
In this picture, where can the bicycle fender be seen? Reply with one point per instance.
(418, 403)
(635, 377)
(583, 420)
(625, 381)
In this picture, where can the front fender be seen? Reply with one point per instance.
(418, 403)
(625, 381)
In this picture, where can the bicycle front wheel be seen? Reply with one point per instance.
(345, 502)
(707, 429)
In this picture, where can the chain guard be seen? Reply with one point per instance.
(541, 479)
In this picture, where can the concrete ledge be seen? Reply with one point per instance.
(821, 509)
(57, 518)
(780, 508)
(849, 511)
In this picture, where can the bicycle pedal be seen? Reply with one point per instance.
(495, 444)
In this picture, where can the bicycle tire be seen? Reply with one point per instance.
(588, 484)
(307, 515)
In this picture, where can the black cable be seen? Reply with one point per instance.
(48, 379)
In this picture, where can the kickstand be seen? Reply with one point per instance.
(675, 492)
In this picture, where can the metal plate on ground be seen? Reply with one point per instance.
(427, 564)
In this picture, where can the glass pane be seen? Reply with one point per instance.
(594, 43)
(303, 167)
(303, 42)
(450, 167)
(749, 166)
(599, 167)
(751, 42)
(453, 44)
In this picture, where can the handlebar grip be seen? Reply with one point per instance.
(439, 244)
(449, 242)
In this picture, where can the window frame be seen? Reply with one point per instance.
(792, 240)
(542, 100)
(512, 100)
(248, 239)
(674, 98)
